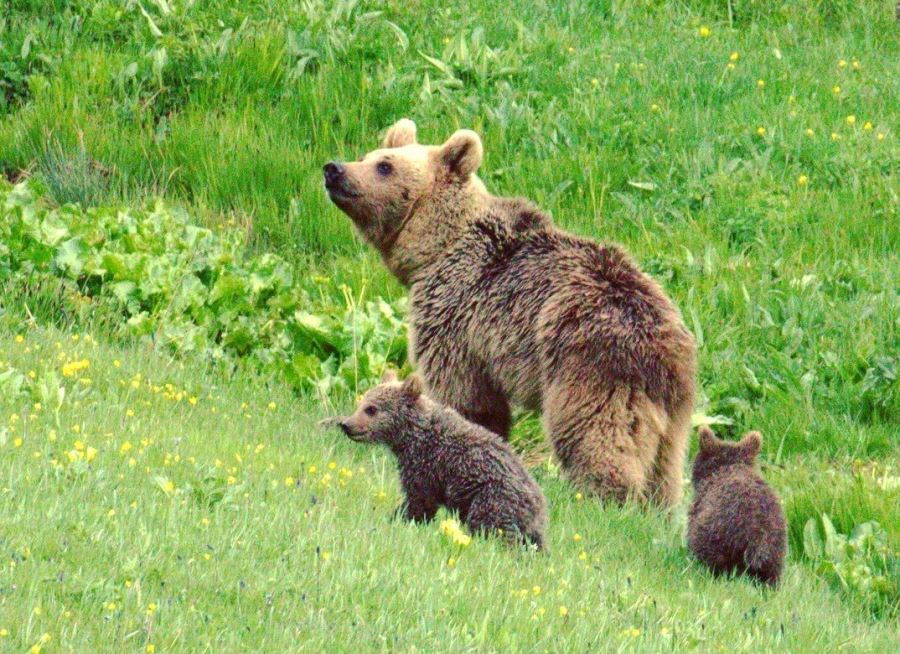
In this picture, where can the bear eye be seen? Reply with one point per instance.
(370, 410)
(384, 168)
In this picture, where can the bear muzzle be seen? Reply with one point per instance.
(336, 182)
(350, 432)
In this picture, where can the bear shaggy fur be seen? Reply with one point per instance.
(444, 460)
(505, 308)
(735, 523)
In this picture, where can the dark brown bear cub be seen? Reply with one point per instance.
(735, 523)
(445, 460)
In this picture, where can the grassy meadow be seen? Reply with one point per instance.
(163, 484)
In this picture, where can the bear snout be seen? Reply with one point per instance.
(348, 430)
(334, 173)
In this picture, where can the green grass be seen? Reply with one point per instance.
(260, 544)
(791, 289)
(766, 212)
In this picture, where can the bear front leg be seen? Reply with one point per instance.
(497, 419)
(466, 387)
(417, 510)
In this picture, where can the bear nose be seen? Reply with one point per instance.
(334, 172)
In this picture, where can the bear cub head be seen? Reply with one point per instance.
(385, 411)
(382, 190)
(715, 454)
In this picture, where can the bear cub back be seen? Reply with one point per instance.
(735, 523)
(445, 460)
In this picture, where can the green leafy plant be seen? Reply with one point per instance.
(335, 30)
(860, 564)
(20, 61)
(162, 279)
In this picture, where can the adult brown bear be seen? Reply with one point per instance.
(506, 307)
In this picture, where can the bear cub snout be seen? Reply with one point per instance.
(735, 523)
(445, 460)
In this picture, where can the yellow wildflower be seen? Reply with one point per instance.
(802, 180)
(451, 529)
(704, 32)
(73, 367)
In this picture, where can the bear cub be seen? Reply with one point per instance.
(735, 523)
(445, 460)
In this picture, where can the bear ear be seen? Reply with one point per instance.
(412, 387)
(462, 153)
(751, 443)
(708, 439)
(401, 133)
(388, 376)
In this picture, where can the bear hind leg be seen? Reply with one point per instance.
(606, 441)
(667, 477)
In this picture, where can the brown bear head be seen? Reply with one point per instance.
(715, 453)
(404, 196)
(385, 412)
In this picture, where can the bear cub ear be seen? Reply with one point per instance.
(388, 376)
(401, 133)
(708, 440)
(412, 387)
(751, 443)
(462, 153)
